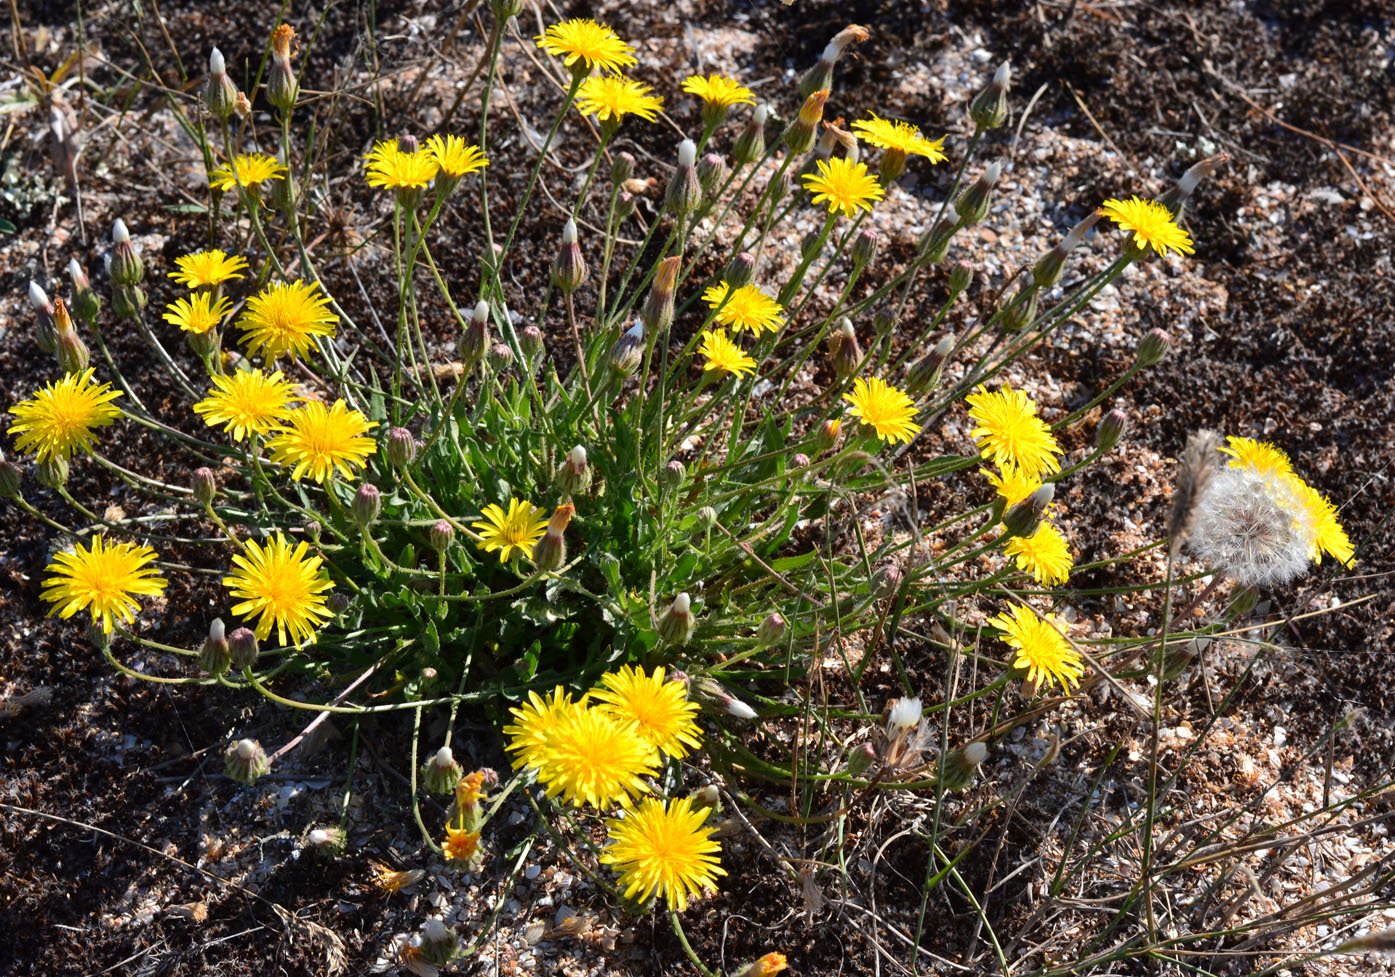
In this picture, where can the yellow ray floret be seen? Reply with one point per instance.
(204, 269)
(281, 585)
(845, 186)
(718, 90)
(660, 709)
(284, 319)
(663, 851)
(885, 409)
(389, 167)
(198, 313)
(1261, 456)
(62, 416)
(1151, 223)
(513, 531)
(593, 758)
(536, 723)
(901, 137)
(454, 157)
(1041, 646)
(748, 308)
(319, 441)
(610, 97)
(1010, 432)
(583, 40)
(248, 402)
(104, 579)
(1318, 512)
(247, 170)
(724, 356)
(1045, 555)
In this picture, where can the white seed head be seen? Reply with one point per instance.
(577, 456)
(481, 313)
(739, 709)
(216, 630)
(119, 234)
(905, 713)
(38, 298)
(687, 154)
(246, 750)
(215, 63)
(318, 837)
(569, 232)
(443, 757)
(1253, 527)
(682, 604)
(1002, 76)
(976, 752)
(761, 113)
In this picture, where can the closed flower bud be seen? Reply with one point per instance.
(625, 205)
(884, 320)
(672, 475)
(706, 518)
(203, 485)
(710, 172)
(1176, 197)
(441, 772)
(367, 504)
(677, 625)
(926, 373)
(52, 472)
(657, 311)
(771, 631)
(803, 131)
(329, 841)
(972, 204)
(550, 552)
(530, 340)
(285, 192)
(246, 761)
(960, 276)
(569, 270)
(827, 436)
(127, 301)
(220, 95)
(860, 760)
(474, 341)
(1023, 519)
(887, 580)
(750, 143)
(779, 187)
(439, 943)
(127, 268)
(73, 355)
(1047, 271)
(281, 87)
(801, 460)
(574, 477)
(242, 645)
(1152, 347)
(312, 530)
(11, 478)
(627, 352)
(989, 107)
(958, 769)
(500, 357)
(440, 536)
(1021, 311)
(622, 168)
(935, 241)
(740, 270)
(214, 656)
(338, 603)
(684, 192)
(810, 244)
(504, 9)
(844, 353)
(86, 303)
(1113, 427)
(401, 447)
(204, 344)
(864, 247)
(46, 334)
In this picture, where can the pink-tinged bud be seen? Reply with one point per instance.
(401, 447)
(710, 172)
(367, 504)
(569, 270)
(214, 656)
(622, 168)
(750, 143)
(864, 247)
(672, 475)
(1153, 347)
(500, 357)
(677, 625)
(961, 276)
(657, 311)
(972, 205)
(771, 631)
(740, 270)
(827, 437)
(246, 761)
(803, 131)
(440, 537)
(474, 341)
(45, 334)
(684, 192)
(242, 644)
(627, 352)
(625, 205)
(861, 759)
(530, 340)
(887, 580)
(204, 486)
(1112, 427)
(441, 772)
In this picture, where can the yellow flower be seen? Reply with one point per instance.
(391, 168)
(62, 416)
(659, 709)
(281, 584)
(901, 137)
(247, 402)
(768, 966)
(536, 722)
(198, 313)
(1010, 431)
(844, 185)
(610, 97)
(247, 169)
(883, 408)
(592, 758)
(594, 45)
(285, 318)
(1041, 646)
(1261, 456)
(1151, 223)
(1318, 511)
(390, 880)
(1045, 555)
(204, 269)
(723, 355)
(663, 851)
(104, 579)
(748, 308)
(453, 157)
(718, 90)
(469, 790)
(460, 845)
(320, 441)
(1013, 484)
(518, 529)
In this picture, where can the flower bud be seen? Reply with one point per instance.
(810, 244)
(750, 143)
(708, 796)
(844, 354)
(1023, 519)
(285, 192)
(214, 656)
(627, 352)
(367, 504)
(52, 472)
(625, 205)
(735, 707)
(989, 107)
(622, 168)
(203, 485)
(925, 373)
(740, 270)
(657, 311)
(827, 437)
(329, 842)
(1021, 311)
(11, 479)
(887, 580)
(550, 552)
(710, 172)
(1176, 197)
(884, 320)
(246, 761)
(86, 303)
(439, 943)
(864, 246)
(441, 772)
(204, 344)
(684, 192)
(706, 518)
(242, 645)
(569, 270)
(401, 447)
(779, 187)
(958, 769)
(474, 341)
(220, 95)
(1152, 347)
(678, 623)
(672, 475)
(338, 603)
(960, 277)
(860, 760)
(799, 137)
(500, 357)
(46, 334)
(73, 355)
(127, 301)
(972, 204)
(800, 460)
(771, 631)
(574, 477)
(440, 536)
(1114, 426)
(281, 87)
(935, 242)
(504, 9)
(127, 268)
(312, 530)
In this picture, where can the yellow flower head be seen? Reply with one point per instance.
(884, 409)
(248, 170)
(1045, 555)
(204, 269)
(391, 168)
(611, 97)
(391, 880)
(723, 355)
(1261, 456)
(664, 851)
(748, 308)
(248, 402)
(768, 965)
(460, 845)
(454, 157)
(593, 45)
(1041, 646)
(283, 585)
(592, 758)
(536, 723)
(62, 416)
(1013, 484)
(1318, 511)
(659, 709)
(104, 579)
(518, 529)
(1010, 431)
(1151, 223)
(844, 185)
(198, 313)
(320, 441)
(285, 318)
(901, 137)
(718, 90)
